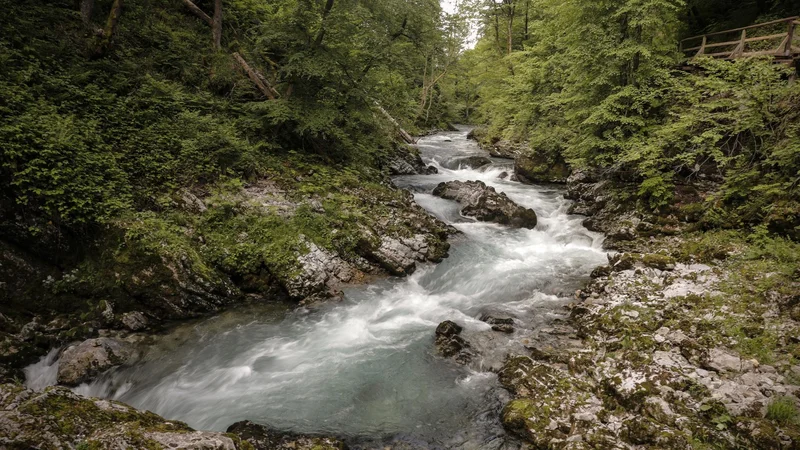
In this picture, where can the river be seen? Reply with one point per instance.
(366, 368)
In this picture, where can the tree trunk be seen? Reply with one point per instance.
(199, 12)
(87, 7)
(321, 32)
(111, 27)
(261, 83)
(497, 26)
(403, 133)
(216, 25)
(527, 34)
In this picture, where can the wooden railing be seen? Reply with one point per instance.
(787, 50)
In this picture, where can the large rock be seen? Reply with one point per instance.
(59, 418)
(450, 344)
(265, 438)
(473, 162)
(399, 256)
(83, 361)
(486, 204)
(321, 271)
(541, 168)
(406, 161)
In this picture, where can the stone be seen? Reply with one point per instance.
(193, 440)
(450, 344)
(190, 202)
(134, 321)
(472, 162)
(60, 418)
(485, 204)
(722, 361)
(321, 271)
(537, 167)
(508, 329)
(406, 161)
(263, 437)
(399, 256)
(81, 362)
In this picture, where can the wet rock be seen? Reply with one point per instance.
(321, 271)
(134, 321)
(81, 362)
(486, 204)
(193, 440)
(399, 256)
(59, 418)
(472, 162)
(552, 407)
(431, 170)
(406, 161)
(450, 344)
(499, 324)
(264, 438)
(508, 329)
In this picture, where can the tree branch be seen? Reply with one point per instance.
(261, 83)
(199, 12)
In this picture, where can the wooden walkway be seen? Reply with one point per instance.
(779, 39)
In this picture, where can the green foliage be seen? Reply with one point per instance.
(598, 84)
(87, 140)
(783, 410)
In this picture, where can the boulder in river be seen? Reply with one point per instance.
(500, 324)
(486, 204)
(81, 362)
(264, 438)
(450, 344)
(473, 162)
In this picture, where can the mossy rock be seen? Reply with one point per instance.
(658, 261)
(58, 418)
(535, 167)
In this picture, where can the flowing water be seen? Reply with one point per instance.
(365, 367)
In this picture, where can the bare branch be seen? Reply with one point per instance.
(199, 12)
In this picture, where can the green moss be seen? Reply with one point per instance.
(657, 261)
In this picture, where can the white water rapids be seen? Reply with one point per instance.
(366, 368)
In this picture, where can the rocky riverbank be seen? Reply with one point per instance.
(686, 339)
(297, 236)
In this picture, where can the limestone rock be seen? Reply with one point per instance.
(59, 418)
(406, 161)
(134, 321)
(264, 438)
(81, 362)
(486, 204)
(321, 270)
(472, 162)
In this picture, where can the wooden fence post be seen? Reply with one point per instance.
(788, 49)
(702, 50)
(742, 44)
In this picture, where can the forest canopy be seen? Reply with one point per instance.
(603, 86)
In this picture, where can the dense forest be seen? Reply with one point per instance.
(599, 85)
(162, 161)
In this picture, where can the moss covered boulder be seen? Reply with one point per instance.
(535, 167)
(58, 418)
